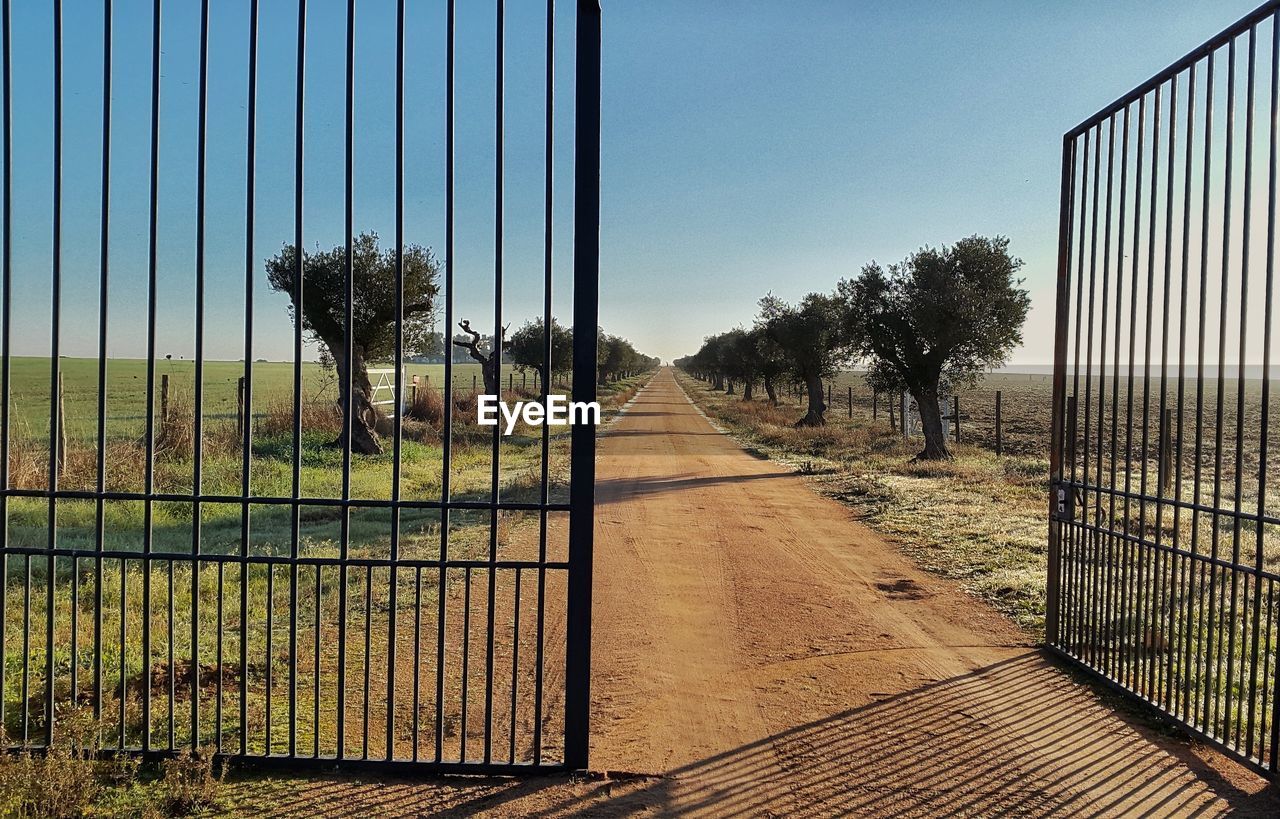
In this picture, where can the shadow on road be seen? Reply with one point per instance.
(946, 748)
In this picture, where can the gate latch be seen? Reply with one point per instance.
(1064, 501)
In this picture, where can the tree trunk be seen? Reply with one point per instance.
(770, 391)
(718, 382)
(364, 416)
(935, 442)
(817, 404)
(746, 390)
(489, 370)
(728, 390)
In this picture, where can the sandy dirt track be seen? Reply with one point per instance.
(758, 652)
(768, 654)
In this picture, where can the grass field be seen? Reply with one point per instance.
(254, 646)
(126, 390)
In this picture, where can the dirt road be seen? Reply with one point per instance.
(769, 655)
(758, 652)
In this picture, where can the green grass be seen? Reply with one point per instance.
(126, 389)
(266, 590)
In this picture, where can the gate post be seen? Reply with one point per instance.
(582, 447)
(1053, 581)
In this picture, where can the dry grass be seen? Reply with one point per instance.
(978, 518)
(73, 778)
(318, 415)
(427, 407)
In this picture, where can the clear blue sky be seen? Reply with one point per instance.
(747, 147)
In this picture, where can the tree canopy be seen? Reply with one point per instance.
(938, 318)
(373, 308)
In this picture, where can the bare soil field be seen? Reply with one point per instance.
(759, 652)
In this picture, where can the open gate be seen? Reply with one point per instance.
(249, 588)
(1165, 511)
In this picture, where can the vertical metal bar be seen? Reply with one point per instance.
(104, 244)
(399, 406)
(315, 653)
(1215, 634)
(417, 651)
(268, 654)
(6, 332)
(246, 442)
(1102, 542)
(124, 676)
(197, 429)
(368, 626)
(1074, 564)
(586, 291)
(1115, 592)
(1202, 653)
(1151, 557)
(1240, 385)
(1264, 422)
(548, 222)
(1165, 559)
(299, 271)
(446, 437)
(218, 665)
(1088, 618)
(515, 667)
(1134, 551)
(1188, 584)
(149, 477)
(498, 337)
(466, 663)
(55, 375)
(1246, 221)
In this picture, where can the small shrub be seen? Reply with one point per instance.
(61, 783)
(175, 426)
(427, 406)
(190, 783)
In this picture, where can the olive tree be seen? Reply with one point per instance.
(528, 348)
(809, 334)
(936, 319)
(373, 309)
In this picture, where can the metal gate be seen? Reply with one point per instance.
(1165, 518)
(252, 589)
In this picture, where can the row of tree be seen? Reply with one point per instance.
(392, 295)
(526, 349)
(925, 325)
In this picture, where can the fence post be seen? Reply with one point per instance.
(893, 426)
(164, 402)
(955, 415)
(62, 427)
(1166, 451)
(473, 382)
(875, 405)
(524, 380)
(240, 409)
(999, 438)
(851, 402)
(511, 378)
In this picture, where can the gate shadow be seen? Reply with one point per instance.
(997, 740)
